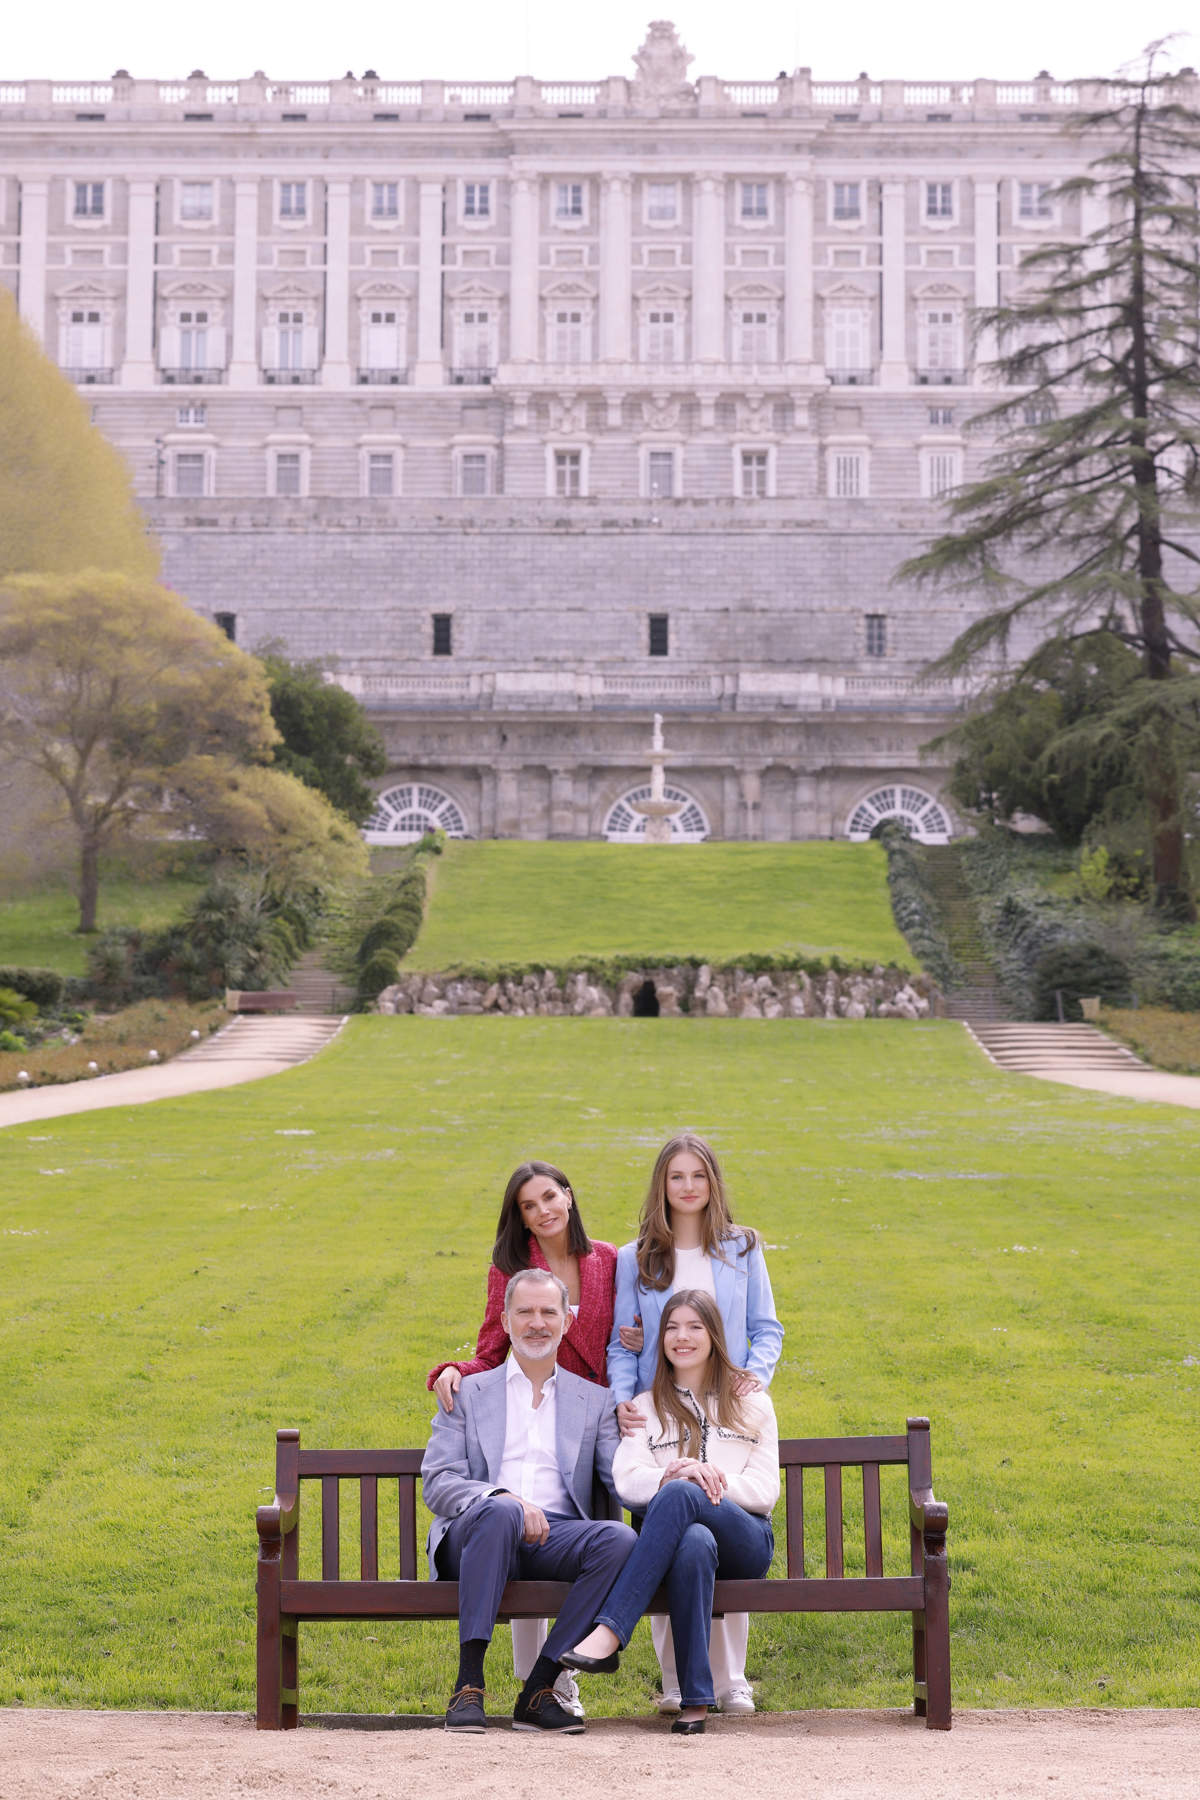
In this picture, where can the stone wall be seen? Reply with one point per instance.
(680, 989)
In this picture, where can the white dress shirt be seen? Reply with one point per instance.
(529, 1467)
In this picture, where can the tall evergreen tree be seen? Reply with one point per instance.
(1081, 520)
(66, 502)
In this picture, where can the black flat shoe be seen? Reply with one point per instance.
(591, 1665)
(687, 1728)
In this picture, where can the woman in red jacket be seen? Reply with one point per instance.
(540, 1228)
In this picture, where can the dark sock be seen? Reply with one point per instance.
(544, 1673)
(471, 1652)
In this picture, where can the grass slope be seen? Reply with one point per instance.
(508, 902)
(1016, 1259)
(38, 930)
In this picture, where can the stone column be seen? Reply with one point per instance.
(487, 803)
(31, 274)
(137, 370)
(429, 371)
(893, 371)
(616, 301)
(562, 801)
(508, 802)
(798, 272)
(243, 349)
(804, 807)
(523, 273)
(708, 278)
(751, 779)
(335, 367)
(987, 270)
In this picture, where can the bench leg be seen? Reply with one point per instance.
(937, 1642)
(289, 1663)
(918, 1657)
(275, 1653)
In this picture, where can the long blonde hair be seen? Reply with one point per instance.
(656, 1240)
(720, 1398)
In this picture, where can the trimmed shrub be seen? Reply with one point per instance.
(388, 933)
(1074, 970)
(43, 986)
(16, 1009)
(379, 971)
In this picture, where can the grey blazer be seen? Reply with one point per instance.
(462, 1459)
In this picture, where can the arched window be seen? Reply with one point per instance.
(407, 812)
(623, 825)
(925, 818)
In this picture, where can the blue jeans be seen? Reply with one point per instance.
(687, 1541)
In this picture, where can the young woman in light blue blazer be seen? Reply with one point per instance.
(687, 1239)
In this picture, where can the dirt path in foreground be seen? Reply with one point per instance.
(852, 1755)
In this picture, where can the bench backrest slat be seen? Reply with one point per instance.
(834, 1546)
(408, 1530)
(368, 1527)
(330, 1529)
(793, 1500)
(872, 1522)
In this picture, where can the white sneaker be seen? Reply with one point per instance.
(566, 1692)
(739, 1699)
(669, 1701)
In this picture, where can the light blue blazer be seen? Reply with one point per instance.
(753, 1334)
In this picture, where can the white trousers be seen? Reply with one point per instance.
(528, 1636)
(728, 1641)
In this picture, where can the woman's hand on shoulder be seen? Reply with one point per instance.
(630, 1418)
(745, 1383)
(446, 1386)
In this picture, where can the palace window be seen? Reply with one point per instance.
(939, 200)
(846, 202)
(570, 334)
(660, 634)
(385, 202)
(293, 201)
(443, 634)
(941, 470)
(89, 200)
(85, 339)
(755, 466)
(1033, 201)
(475, 343)
(226, 622)
(939, 340)
(189, 474)
(662, 335)
(568, 202)
(568, 474)
(477, 200)
(288, 471)
(753, 334)
(474, 473)
(197, 204)
(662, 202)
(848, 474)
(381, 474)
(383, 331)
(661, 474)
(848, 342)
(755, 204)
(194, 414)
(876, 634)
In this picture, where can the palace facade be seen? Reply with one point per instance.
(529, 409)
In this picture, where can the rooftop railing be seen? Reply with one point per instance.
(369, 98)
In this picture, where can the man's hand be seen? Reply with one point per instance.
(445, 1387)
(537, 1526)
(686, 1468)
(630, 1418)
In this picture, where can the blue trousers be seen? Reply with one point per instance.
(687, 1541)
(484, 1548)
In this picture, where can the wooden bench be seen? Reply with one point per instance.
(243, 1000)
(284, 1599)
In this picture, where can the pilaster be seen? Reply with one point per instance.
(987, 270)
(429, 371)
(31, 275)
(138, 368)
(893, 369)
(708, 298)
(798, 273)
(243, 355)
(523, 278)
(335, 365)
(616, 306)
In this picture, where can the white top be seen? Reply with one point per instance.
(749, 1458)
(530, 1465)
(693, 1269)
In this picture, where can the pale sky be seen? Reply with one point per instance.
(479, 40)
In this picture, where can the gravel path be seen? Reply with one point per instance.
(1140, 1755)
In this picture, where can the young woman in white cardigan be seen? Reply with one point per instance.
(704, 1471)
(687, 1239)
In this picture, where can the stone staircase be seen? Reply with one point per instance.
(320, 991)
(978, 995)
(279, 1038)
(1037, 1049)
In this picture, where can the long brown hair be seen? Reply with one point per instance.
(655, 1239)
(719, 1398)
(510, 1252)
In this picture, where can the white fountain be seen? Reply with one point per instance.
(658, 811)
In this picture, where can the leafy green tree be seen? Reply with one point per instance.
(65, 497)
(111, 688)
(1041, 745)
(327, 740)
(1079, 524)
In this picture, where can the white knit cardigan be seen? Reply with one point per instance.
(749, 1459)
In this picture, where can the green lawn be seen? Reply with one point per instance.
(38, 930)
(523, 903)
(1016, 1259)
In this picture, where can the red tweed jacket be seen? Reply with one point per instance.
(582, 1349)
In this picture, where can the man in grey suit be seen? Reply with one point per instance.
(509, 1476)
